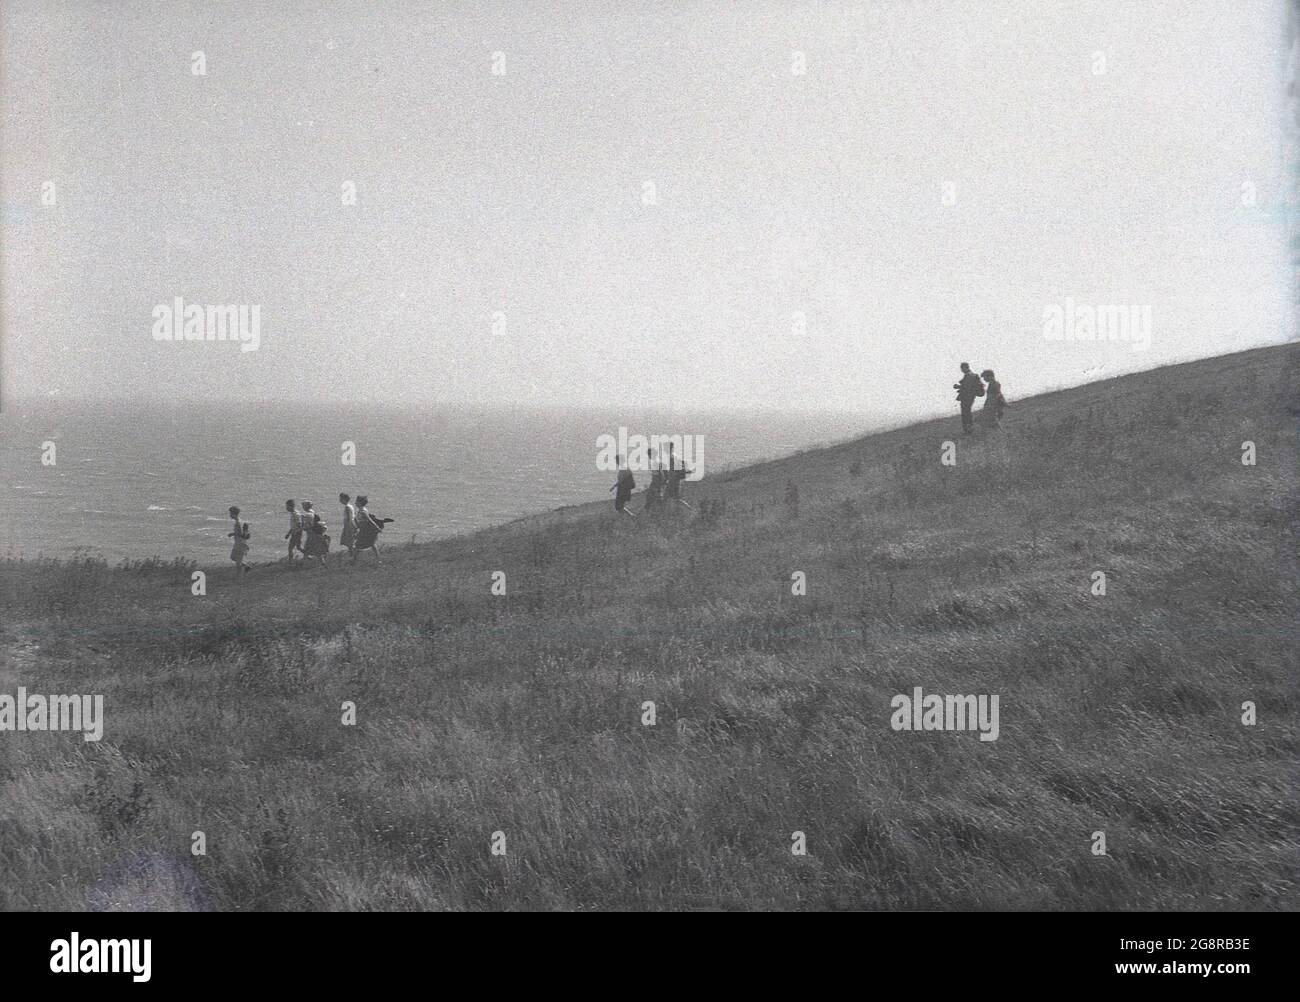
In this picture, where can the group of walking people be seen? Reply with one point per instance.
(309, 536)
(972, 386)
(665, 484)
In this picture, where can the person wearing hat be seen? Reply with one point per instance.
(993, 401)
(968, 389)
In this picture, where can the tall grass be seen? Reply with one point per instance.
(523, 714)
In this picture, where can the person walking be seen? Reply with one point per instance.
(349, 536)
(994, 402)
(240, 548)
(294, 535)
(317, 540)
(676, 474)
(654, 494)
(368, 529)
(623, 488)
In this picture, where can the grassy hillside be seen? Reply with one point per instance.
(523, 714)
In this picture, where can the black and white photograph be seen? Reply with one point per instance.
(615, 456)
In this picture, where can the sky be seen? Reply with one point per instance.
(752, 204)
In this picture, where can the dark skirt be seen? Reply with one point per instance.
(367, 533)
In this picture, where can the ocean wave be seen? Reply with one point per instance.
(157, 507)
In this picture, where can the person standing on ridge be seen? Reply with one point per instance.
(994, 402)
(968, 389)
(623, 488)
(654, 494)
(676, 474)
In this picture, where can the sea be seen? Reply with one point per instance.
(136, 480)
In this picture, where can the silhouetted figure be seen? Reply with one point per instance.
(968, 389)
(791, 499)
(654, 494)
(675, 475)
(993, 401)
(623, 488)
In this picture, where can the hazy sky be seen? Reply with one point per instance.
(1104, 151)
